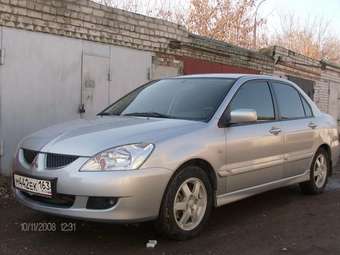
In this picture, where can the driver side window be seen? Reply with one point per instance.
(255, 95)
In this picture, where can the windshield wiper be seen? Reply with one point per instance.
(107, 114)
(148, 114)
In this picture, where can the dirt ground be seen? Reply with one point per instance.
(277, 222)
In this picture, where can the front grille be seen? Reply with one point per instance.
(59, 160)
(59, 200)
(29, 155)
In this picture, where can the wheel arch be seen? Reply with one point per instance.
(205, 165)
(327, 148)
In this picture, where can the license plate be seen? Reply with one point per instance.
(41, 187)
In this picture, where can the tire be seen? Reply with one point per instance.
(183, 214)
(318, 175)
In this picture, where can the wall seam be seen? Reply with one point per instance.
(1, 104)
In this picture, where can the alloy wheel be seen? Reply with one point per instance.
(190, 204)
(320, 170)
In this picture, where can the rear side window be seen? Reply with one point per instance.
(255, 95)
(306, 106)
(289, 101)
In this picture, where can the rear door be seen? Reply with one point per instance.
(298, 125)
(254, 151)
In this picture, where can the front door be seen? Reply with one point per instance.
(254, 151)
(95, 85)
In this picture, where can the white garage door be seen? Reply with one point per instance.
(129, 69)
(95, 85)
(109, 75)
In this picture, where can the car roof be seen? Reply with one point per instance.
(236, 76)
(226, 75)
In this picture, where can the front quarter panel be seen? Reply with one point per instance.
(206, 143)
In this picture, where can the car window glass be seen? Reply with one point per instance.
(289, 101)
(307, 107)
(256, 96)
(179, 98)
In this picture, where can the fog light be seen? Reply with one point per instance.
(100, 203)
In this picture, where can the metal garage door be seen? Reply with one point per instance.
(197, 66)
(306, 85)
(95, 85)
(110, 74)
(334, 101)
(129, 69)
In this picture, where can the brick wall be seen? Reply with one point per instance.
(91, 21)
(86, 20)
(221, 52)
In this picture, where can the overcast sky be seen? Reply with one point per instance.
(328, 9)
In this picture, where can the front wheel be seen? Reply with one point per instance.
(186, 205)
(318, 174)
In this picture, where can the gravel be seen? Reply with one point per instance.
(5, 190)
(281, 221)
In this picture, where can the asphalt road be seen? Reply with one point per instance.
(277, 222)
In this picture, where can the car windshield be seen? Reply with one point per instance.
(177, 98)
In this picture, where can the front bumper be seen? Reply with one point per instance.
(139, 192)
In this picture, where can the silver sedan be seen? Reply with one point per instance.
(173, 149)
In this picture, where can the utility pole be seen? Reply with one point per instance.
(255, 24)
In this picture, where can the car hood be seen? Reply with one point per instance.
(87, 137)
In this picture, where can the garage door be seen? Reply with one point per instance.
(197, 66)
(306, 85)
(95, 85)
(110, 75)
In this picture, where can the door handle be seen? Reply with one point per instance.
(312, 125)
(275, 130)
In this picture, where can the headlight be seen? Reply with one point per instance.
(127, 157)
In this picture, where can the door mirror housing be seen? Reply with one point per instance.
(240, 116)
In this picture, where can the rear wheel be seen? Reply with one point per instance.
(186, 205)
(318, 174)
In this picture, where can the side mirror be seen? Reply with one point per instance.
(239, 116)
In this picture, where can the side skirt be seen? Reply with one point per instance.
(240, 194)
